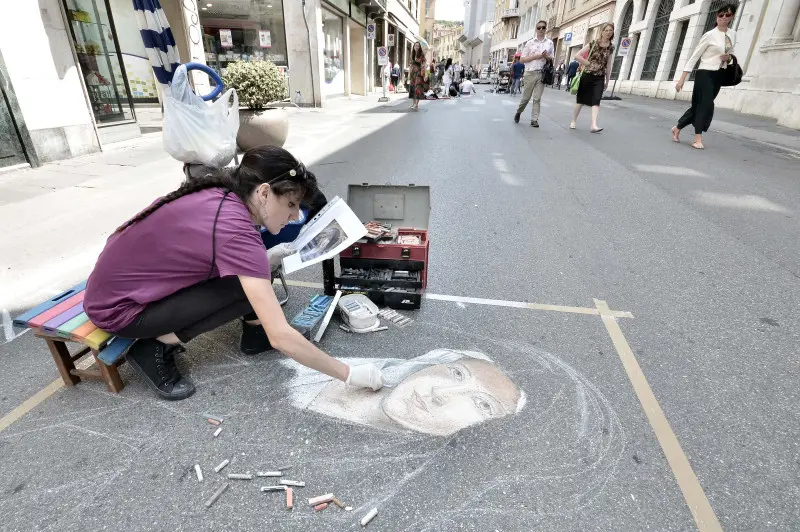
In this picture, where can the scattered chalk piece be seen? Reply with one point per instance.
(217, 495)
(369, 517)
(289, 498)
(216, 432)
(337, 502)
(314, 501)
(199, 472)
(320, 507)
(221, 466)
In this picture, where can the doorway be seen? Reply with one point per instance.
(12, 151)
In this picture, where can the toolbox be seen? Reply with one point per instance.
(393, 270)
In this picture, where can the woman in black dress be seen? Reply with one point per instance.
(596, 59)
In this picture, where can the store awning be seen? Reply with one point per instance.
(157, 38)
(371, 7)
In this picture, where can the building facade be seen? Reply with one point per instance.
(446, 43)
(83, 78)
(477, 37)
(665, 32)
(505, 32)
(577, 23)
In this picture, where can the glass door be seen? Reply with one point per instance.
(11, 151)
(96, 45)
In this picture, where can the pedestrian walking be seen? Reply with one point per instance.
(714, 53)
(416, 76)
(518, 70)
(572, 71)
(447, 77)
(395, 75)
(534, 56)
(596, 58)
(559, 75)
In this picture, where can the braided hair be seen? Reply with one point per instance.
(265, 164)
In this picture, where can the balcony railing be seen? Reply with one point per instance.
(511, 13)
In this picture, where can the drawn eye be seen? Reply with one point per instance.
(483, 406)
(457, 374)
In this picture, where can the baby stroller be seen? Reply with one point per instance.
(503, 82)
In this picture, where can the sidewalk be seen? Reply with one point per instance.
(726, 121)
(56, 218)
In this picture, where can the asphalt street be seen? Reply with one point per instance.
(700, 247)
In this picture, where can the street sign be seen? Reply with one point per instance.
(371, 30)
(567, 37)
(390, 41)
(383, 55)
(624, 47)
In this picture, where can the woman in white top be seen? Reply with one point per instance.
(714, 53)
(447, 78)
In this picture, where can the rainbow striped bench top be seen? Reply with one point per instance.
(62, 318)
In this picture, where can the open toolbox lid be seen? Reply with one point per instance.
(399, 205)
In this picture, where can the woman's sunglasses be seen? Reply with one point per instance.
(724, 15)
(541, 28)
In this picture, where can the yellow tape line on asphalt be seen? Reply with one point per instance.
(690, 486)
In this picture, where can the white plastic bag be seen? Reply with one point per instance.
(196, 131)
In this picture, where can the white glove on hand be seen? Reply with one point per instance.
(276, 254)
(365, 376)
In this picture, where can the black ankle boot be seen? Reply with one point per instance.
(155, 361)
(254, 339)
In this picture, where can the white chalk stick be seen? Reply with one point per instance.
(269, 474)
(240, 476)
(328, 497)
(199, 472)
(216, 495)
(216, 432)
(369, 517)
(221, 466)
(296, 483)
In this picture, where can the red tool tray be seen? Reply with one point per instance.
(406, 207)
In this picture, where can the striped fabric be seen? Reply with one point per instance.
(158, 40)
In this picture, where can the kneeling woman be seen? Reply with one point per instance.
(194, 260)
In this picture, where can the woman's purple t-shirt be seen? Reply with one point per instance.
(171, 250)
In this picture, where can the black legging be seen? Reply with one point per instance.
(706, 88)
(192, 311)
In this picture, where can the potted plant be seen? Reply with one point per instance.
(258, 83)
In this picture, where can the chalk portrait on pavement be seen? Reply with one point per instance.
(438, 393)
(466, 424)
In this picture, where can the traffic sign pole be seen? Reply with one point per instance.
(624, 48)
(383, 60)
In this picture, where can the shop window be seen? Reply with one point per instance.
(237, 32)
(679, 49)
(333, 52)
(657, 38)
(627, 19)
(92, 29)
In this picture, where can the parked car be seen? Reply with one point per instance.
(483, 77)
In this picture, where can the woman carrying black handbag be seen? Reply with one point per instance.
(718, 68)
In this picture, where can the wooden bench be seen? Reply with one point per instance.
(60, 320)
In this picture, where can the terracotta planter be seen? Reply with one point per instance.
(265, 127)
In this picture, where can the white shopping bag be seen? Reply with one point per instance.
(196, 131)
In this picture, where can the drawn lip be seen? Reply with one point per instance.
(419, 400)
